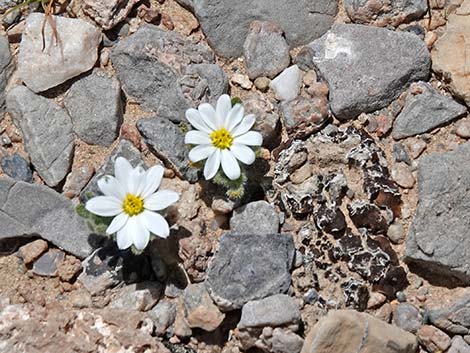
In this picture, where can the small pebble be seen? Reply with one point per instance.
(402, 175)
(430, 38)
(401, 296)
(5, 140)
(416, 148)
(242, 80)
(376, 300)
(401, 154)
(396, 233)
(463, 129)
(262, 83)
(311, 296)
(47, 264)
(32, 251)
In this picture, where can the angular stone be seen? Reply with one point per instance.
(32, 251)
(453, 317)
(287, 85)
(368, 67)
(407, 317)
(266, 50)
(459, 346)
(151, 64)
(226, 22)
(257, 217)
(17, 167)
(6, 68)
(163, 315)
(349, 331)
(433, 339)
(277, 310)
(75, 51)
(30, 209)
(139, 296)
(108, 13)
(383, 13)
(47, 264)
(249, 267)
(438, 237)
(200, 310)
(454, 68)
(94, 104)
(47, 132)
(166, 140)
(425, 111)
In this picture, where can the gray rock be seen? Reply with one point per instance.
(74, 53)
(287, 85)
(265, 49)
(163, 316)
(383, 13)
(166, 140)
(249, 267)
(368, 67)
(6, 68)
(204, 82)
(108, 13)
(47, 132)
(124, 149)
(47, 264)
(257, 217)
(150, 64)
(30, 209)
(453, 317)
(138, 296)
(17, 168)
(94, 104)
(199, 308)
(226, 22)
(351, 331)
(438, 237)
(277, 310)
(407, 317)
(459, 345)
(425, 111)
(7, 4)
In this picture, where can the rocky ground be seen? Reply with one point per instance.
(353, 234)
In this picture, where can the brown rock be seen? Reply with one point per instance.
(433, 339)
(349, 331)
(69, 268)
(402, 175)
(32, 251)
(463, 129)
(77, 180)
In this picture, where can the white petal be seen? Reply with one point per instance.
(135, 181)
(212, 165)
(153, 178)
(118, 223)
(195, 119)
(161, 200)
(251, 138)
(195, 137)
(208, 115)
(243, 153)
(124, 237)
(110, 186)
(201, 152)
(105, 206)
(155, 223)
(234, 117)
(224, 104)
(245, 125)
(122, 170)
(139, 232)
(230, 165)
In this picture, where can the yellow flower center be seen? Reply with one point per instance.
(133, 205)
(221, 138)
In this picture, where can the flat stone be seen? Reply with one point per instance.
(6, 68)
(47, 264)
(367, 67)
(349, 331)
(382, 13)
(95, 106)
(17, 167)
(459, 345)
(265, 50)
(74, 53)
(152, 66)
(407, 317)
(226, 22)
(108, 13)
(33, 250)
(31, 209)
(163, 315)
(454, 67)
(138, 297)
(257, 217)
(47, 132)
(425, 111)
(277, 310)
(287, 85)
(249, 267)
(438, 237)
(166, 140)
(433, 339)
(453, 316)
(201, 312)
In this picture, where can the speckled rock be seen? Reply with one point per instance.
(257, 217)
(108, 13)
(17, 167)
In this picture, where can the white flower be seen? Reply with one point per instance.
(131, 198)
(222, 136)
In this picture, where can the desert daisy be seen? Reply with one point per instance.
(222, 136)
(131, 197)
